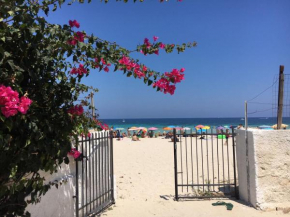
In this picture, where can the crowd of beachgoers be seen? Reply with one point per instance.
(141, 132)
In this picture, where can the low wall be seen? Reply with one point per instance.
(57, 202)
(264, 168)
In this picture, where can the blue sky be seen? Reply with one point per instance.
(240, 47)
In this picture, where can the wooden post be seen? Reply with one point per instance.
(92, 104)
(280, 97)
(246, 115)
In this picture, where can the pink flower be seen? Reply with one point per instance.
(10, 103)
(75, 153)
(147, 43)
(24, 104)
(162, 46)
(145, 68)
(79, 36)
(155, 38)
(182, 69)
(79, 71)
(156, 52)
(175, 75)
(72, 42)
(76, 110)
(74, 23)
(106, 69)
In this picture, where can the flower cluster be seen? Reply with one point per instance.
(78, 36)
(80, 71)
(104, 63)
(11, 104)
(76, 110)
(149, 45)
(175, 76)
(164, 85)
(132, 66)
(75, 153)
(103, 126)
(74, 23)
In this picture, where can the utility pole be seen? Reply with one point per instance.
(92, 104)
(246, 115)
(280, 98)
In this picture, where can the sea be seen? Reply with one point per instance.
(191, 122)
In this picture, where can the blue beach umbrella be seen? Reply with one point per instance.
(171, 126)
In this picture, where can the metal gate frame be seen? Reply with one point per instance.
(94, 174)
(202, 185)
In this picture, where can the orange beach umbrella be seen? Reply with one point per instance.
(167, 128)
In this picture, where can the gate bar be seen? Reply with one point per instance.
(175, 164)
(234, 159)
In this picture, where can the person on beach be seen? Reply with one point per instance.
(143, 134)
(128, 132)
(240, 126)
(135, 138)
(175, 138)
(124, 135)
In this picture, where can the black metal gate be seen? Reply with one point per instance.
(94, 175)
(205, 164)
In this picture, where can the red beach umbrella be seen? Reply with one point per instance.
(199, 126)
(152, 128)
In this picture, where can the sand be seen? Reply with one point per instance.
(144, 172)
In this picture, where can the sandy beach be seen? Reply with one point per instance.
(144, 172)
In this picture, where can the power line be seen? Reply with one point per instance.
(263, 91)
(249, 113)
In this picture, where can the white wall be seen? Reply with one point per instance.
(57, 202)
(265, 184)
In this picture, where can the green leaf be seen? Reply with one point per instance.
(54, 7)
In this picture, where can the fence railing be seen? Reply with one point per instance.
(94, 174)
(205, 164)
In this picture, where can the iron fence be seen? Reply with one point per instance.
(94, 174)
(205, 164)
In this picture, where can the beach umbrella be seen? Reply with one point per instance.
(171, 126)
(199, 126)
(206, 127)
(226, 127)
(152, 128)
(134, 128)
(178, 128)
(220, 128)
(282, 125)
(186, 128)
(167, 128)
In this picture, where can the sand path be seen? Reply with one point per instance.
(145, 185)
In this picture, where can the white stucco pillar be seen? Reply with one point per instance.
(264, 173)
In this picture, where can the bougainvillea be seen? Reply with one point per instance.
(10, 103)
(74, 153)
(42, 66)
